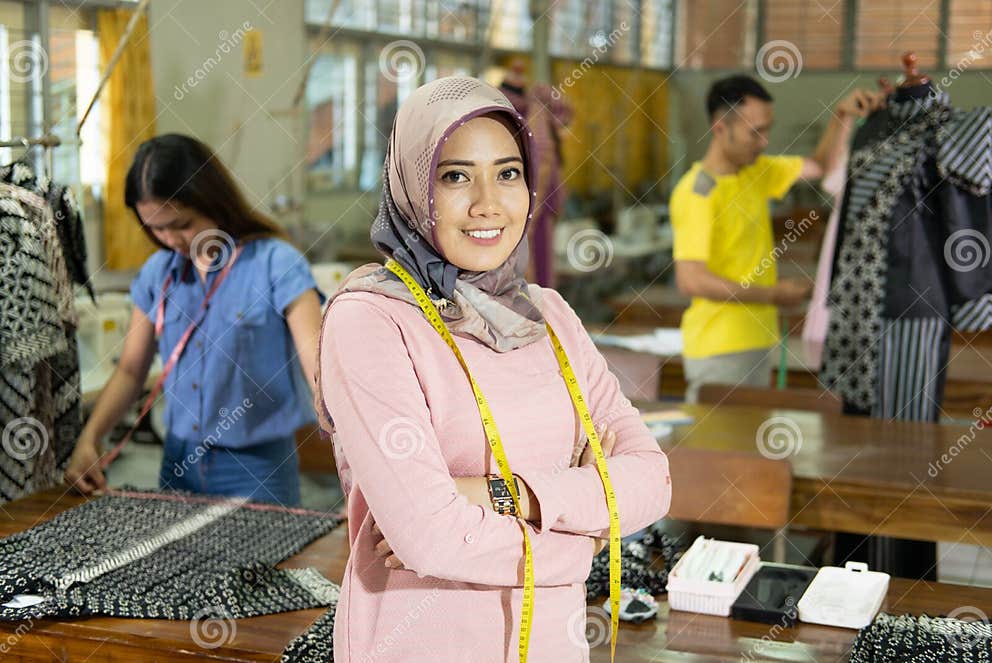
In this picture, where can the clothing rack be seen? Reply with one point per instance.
(46, 141)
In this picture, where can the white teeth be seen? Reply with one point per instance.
(484, 234)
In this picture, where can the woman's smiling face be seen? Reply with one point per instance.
(481, 198)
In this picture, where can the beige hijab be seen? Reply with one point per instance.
(496, 307)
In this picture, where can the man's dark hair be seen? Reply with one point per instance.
(728, 92)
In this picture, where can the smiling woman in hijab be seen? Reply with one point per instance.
(436, 570)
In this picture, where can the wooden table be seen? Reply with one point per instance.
(673, 636)
(864, 475)
(689, 637)
(969, 378)
(105, 639)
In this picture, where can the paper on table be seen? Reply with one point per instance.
(669, 417)
(24, 601)
(664, 341)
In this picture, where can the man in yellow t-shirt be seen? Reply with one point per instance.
(723, 252)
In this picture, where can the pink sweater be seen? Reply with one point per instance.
(406, 423)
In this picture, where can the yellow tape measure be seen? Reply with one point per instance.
(492, 434)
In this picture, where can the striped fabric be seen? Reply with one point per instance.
(973, 316)
(964, 155)
(910, 364)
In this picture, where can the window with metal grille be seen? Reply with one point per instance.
(716, 34)
(888, 28)
(814, 28)
(969, 35)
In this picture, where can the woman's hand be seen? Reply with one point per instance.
(598, 545)
(84, 472)
(607, 440)
(383, 550)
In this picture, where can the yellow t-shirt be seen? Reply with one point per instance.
(724, 221)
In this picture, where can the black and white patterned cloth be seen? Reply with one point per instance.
(163, 555)
(913, 240)
(908, 639)
(644, 564)
(316, 644)
(66, 212)
(40, 408)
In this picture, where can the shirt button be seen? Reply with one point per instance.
(194, 386)
(469, 538)
(199, 344)
(195, 427)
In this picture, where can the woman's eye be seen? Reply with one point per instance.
(454, 177)
(510, 174)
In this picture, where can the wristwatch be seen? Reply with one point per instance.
(500, 496)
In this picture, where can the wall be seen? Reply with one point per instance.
(201, 87)
(267, 152)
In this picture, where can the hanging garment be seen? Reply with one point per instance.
(166, 556)
(817, 313)
(40, 410)
(67, 215)
(909, 639)
(912, 248)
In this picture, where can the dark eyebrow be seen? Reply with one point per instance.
(173, 222)
(456, 162)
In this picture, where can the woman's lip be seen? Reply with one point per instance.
(484, 241)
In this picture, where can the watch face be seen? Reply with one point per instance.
(500, 490)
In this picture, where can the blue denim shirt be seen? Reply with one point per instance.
(239, 380)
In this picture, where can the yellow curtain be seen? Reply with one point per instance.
(617, 139)
(129, 108)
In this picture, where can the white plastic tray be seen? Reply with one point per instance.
(848, 597)
(710, 597)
